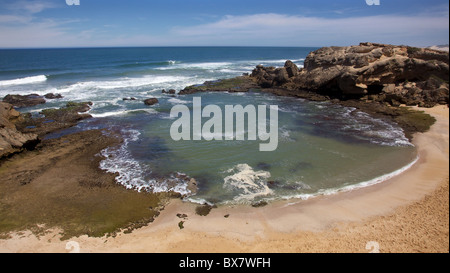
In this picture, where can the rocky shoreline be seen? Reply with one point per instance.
(65, 172)
(62, 175)
(374, 78)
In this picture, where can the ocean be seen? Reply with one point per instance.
(322, 148)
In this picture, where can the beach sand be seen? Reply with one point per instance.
(408, 213)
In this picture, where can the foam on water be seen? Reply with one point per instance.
(121, 112)
(132, 174)
(376, 130)
(26, 80)
(178, 101)
(249, 183)
(332, 191)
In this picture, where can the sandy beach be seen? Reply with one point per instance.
(408, 213)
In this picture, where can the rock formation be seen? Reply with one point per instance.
(377, 72)
(24, 101)
(151, 101)
(51, 120)
(51, 96)
(11, 140)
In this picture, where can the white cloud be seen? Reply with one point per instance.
(267, 29)
(271, 29)
(14, 19)
(30, 7)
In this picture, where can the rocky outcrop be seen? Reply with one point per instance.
(51, 120)
(237, 84)
(171, 91)
(11, 140)
(51, 96)
(24, 101)
(377, 72)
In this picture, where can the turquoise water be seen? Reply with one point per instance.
(322, 148)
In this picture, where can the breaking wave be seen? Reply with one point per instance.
(26, 80)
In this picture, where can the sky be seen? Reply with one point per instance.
(117, 23)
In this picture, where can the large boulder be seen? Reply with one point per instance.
(151, 101)
(11, 140)
(291, 68)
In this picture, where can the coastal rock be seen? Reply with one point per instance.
(51, 120)
(151, 101)
(291, 68)
(11, 140)
(237, 84)
(51, 96)
(171, 91)
(125, 99)
(384, 73)
(24, 101)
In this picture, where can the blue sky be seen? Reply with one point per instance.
(94, 23)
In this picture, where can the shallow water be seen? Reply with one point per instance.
(321, 148)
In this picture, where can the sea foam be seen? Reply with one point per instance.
(247, 182)
(26, 80)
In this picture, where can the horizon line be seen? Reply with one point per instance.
(187, 46)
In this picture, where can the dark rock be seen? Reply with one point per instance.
(125, 99)
(203, 210)
(291, 68)
(151, 101)
(24, 101)
(179, 215)
(52, 96)
(281, 76)
(171, 91)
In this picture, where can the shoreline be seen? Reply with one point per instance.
(313, 225)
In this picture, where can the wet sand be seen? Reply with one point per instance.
(408, 213)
